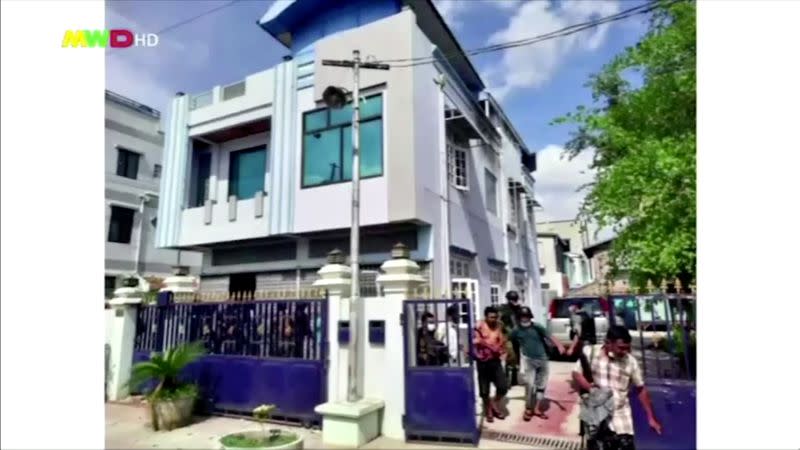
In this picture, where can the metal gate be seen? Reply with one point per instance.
(663, 329)
(258, 352)
(439, 376)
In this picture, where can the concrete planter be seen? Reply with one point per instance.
(171, 414)
(296, 444)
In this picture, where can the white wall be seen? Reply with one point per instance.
(259, 92)
(195, 231)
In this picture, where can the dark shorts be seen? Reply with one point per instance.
(608, 440)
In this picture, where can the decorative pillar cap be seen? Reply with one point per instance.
(179, 94)
(400, 251)
(336, 256)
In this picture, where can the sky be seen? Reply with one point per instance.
(534, 83)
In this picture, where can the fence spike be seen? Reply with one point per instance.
(678, 285)
(650, 286)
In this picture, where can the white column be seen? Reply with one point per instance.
(123, 331)
(335, 277)
(344, 424)
(399, 279)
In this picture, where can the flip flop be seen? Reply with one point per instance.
(527, 416)
(541, 415)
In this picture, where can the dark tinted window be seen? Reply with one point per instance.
(121, 224)
(127, 164)
(590, 305)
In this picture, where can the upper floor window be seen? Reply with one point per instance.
(202, 174)
(490, 190)
(494, 294)
(157, 171)
(513, 207)
(457, 166)
(247, 171)
(127, 163)
(121, 225)
(328, 147)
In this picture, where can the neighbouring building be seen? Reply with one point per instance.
(257, 173)
(598, 254)
(134, 145)
(552, 251)
(575, 263)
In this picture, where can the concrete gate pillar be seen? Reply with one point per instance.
(399, 279)
(123, 332)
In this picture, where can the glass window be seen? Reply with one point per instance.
(157, 171)
(327, 143)
(316, 120)
(371, 161)
(203, 163)
(247, 171)
(490, 191)
(127, 163)
(121, 225)
(322, 158)
(457, 166)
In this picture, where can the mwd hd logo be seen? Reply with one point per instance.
(107, 38)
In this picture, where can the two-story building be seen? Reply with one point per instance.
(134, 145)
(257, 174)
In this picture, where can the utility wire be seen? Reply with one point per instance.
(566, 31)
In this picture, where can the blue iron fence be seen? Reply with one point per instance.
(664, 341)
(439, 377)
(264, 351)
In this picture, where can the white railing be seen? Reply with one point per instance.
(201, 100)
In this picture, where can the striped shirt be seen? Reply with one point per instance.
(616, 375)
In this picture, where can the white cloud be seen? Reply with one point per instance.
(454, 10)
(532, 65)
(134, 72)
(558, 180)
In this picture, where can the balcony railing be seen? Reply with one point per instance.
(221, 94)
(200, 100)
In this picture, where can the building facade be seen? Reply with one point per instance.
(257, 173)
(575, 263)
(134, 145)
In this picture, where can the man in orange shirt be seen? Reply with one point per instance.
(490, 351)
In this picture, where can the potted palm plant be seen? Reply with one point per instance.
(172, 400)
(272, 439)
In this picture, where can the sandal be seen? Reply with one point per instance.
(497, 412)
(528, 415)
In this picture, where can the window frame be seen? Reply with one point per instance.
(231, 154)
(111, 220)
(490, 179)
(157, 169)
(494, 294)
(127, 153)
(452, 159)
(341, 127)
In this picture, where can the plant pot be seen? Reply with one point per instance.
(295, 444)
(173, 413)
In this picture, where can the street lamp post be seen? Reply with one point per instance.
(335, 97)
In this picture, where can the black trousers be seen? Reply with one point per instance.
(606, 439)
(491, 372)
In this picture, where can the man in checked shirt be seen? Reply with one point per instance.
(614, 368)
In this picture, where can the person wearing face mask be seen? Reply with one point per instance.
(509, 316)
(430, 350)
(531, 339)
(612, 369)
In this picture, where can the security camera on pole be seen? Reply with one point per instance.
(336, 97)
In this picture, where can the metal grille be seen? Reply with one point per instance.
(261, 329)
(535, 441)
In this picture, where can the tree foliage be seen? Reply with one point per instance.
(644, 137)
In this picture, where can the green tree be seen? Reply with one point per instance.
(644, 138)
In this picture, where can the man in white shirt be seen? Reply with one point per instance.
(450, 333)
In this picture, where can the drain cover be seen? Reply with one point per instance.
(537, 441)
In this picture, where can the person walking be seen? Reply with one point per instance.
(612, 371)
(509, 316)
(531, 339)
(490, 349)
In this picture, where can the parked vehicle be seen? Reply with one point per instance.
(558, 320)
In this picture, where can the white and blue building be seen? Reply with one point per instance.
(256, 174)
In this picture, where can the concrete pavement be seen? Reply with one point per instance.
(127, 428)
